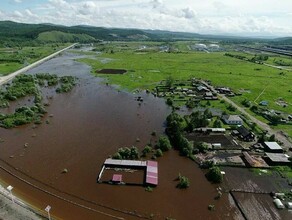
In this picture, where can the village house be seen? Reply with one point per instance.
(277, 159)
(232, 120)
(223, 90)
(244, 134)
(273, 147)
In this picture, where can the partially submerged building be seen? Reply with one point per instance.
(150, 168)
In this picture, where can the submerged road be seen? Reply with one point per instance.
(5, 79)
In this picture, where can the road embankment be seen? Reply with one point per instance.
(5, 79)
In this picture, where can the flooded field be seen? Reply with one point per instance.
(258, 205)
(86, 126)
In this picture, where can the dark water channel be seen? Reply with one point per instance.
(89, 124)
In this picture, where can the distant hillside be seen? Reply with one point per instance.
(58, 36)
(283, 41)
(12, 33)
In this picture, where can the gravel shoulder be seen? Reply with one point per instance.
(14, 210)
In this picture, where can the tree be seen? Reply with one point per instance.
(217, 123)
(164, 143)
(183, 182)
(214, 175)
(246, 103)
(169, 81)
(158, 153)
(202, 147)
(231, 108)
(169, 101)
(134, 153)
(272, 138)
(185, 147)
(207, 113)
(147, 149)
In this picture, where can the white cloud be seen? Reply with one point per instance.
(189, 13)
(17, 14)
(249, 17)
(18, 1)
(88, 8)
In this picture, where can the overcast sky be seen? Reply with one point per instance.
(236, 17)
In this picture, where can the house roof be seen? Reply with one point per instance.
(137, 163)
(278, 157)
(243, 131)
(273, 145)
(152, 172)
(200, 88)
(232, 117)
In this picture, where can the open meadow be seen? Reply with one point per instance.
(15, 58)
(149, 63)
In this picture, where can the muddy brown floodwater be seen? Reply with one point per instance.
(89, 124)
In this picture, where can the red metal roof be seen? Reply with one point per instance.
(117, 178)
(152, 172)
(152, 180)
(152, 163)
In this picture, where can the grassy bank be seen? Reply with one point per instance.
(13, 59)
(148, 66)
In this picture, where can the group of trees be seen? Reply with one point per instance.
(258, 58)
(197, 120)
(177, 125)
(273, 118)
(29, 85)
(127, 153)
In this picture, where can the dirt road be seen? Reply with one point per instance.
(287, 142)
(278, 134)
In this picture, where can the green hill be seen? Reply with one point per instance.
(12, 34)
(58, 36)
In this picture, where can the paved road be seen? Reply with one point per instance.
(7, 78)
(15, 211)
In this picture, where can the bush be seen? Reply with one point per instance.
(169, 101)
(163, 143)
(127, 153)
(214, 175)
(183, 182)
(147, 149)
(158, 153)
(231, 108)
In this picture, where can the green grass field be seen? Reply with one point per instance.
(12, 59)
(147, 69)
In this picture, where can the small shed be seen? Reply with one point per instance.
(273, 147)
(264, 103)
(117, 178)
